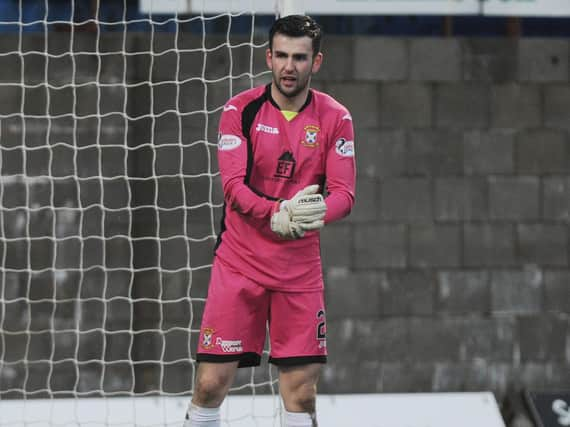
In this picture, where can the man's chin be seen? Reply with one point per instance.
(289, 92)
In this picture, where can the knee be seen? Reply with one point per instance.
(210, 391)
(303, 399)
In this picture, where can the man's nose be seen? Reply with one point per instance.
(289, 65)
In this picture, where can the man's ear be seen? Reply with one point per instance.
(317, 62)
(268, 57)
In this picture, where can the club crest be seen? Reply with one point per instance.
(207, 338)
(311, 136)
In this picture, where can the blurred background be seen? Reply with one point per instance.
(451, 274)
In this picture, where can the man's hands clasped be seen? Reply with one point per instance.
(304, 212)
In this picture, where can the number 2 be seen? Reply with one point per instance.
(321, 327)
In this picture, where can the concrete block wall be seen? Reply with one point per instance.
(451, 274)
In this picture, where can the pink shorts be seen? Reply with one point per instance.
(237, 312)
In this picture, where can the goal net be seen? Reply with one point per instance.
(110, 202)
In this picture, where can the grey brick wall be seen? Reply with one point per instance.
(451, 274)
(466, 161)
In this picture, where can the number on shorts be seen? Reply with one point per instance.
(321, 327)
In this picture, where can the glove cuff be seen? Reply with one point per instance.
(276, 207)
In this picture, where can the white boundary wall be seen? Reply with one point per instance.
(368, 410)
(527, 7)
(321, 7)
(364, 7)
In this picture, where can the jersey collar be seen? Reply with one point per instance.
(305, 105)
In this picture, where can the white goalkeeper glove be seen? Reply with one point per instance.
(282, 225)
(304, 212)
(307, 208)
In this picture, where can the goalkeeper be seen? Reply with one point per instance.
(286, 159)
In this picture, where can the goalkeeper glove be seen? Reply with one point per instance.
(282, 225)
(307, 208)
(304, 212)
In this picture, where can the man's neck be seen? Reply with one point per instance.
(289, 104)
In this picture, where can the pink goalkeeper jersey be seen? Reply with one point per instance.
(264, 158)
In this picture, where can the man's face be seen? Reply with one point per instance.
(292, 63)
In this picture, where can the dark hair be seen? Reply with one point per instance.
(297, 26)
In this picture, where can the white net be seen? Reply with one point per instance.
(110, 205)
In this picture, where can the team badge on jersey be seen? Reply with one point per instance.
(207, 338)
(345, 148)
(311, 136)
(285, 166)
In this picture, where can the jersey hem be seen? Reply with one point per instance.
(318, 287)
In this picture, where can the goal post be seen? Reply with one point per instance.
(290, 7)
(279, 7)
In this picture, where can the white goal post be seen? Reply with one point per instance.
(278, 7)
(544, 8)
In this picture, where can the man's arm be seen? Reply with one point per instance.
(232, 161)
(341, 172)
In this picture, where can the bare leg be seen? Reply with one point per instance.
(298, 387)
(213, 381)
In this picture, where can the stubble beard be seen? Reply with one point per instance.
(296, 91)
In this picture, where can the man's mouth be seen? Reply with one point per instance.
(288, 79)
